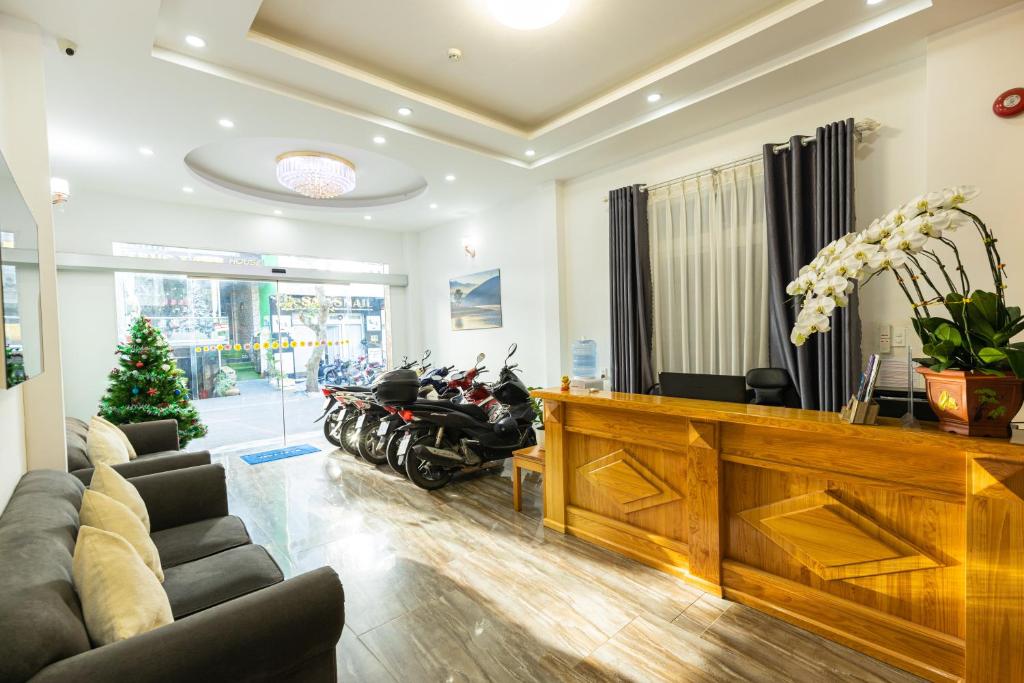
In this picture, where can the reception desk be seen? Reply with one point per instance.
(905, 545)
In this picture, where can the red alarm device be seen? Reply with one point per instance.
(1010, 103)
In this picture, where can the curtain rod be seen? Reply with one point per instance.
(859, 129)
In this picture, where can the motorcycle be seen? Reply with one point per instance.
(444, 437)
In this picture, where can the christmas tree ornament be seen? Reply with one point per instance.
(140, 364)
(165, 367)
(135, 390)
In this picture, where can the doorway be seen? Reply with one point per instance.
(257, 353)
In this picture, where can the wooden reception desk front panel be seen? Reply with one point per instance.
(906, 545)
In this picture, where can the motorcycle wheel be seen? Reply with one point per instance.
(330, 422)
(367, 443)
(422, 473)
(396, 461)
(349, 434)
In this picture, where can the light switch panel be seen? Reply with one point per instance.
(884, 338)
(899, 336)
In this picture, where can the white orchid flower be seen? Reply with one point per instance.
(841, 300)
(819, 323)
(796, 287)
(926, 203)
(955, 196)
(958, 220)
(822, 305)
(898, 217)
(906, 239)
(831, 286)
(888, 259)
(799, 335)
(863, 252)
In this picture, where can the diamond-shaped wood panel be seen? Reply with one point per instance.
(833, 540)
(625, 480)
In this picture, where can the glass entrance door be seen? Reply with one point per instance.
(257, 353)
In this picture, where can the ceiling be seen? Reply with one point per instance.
(333, 73)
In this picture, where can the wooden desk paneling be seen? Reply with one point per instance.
(907, 545)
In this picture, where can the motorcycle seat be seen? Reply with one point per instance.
(352, 388)
(471, 409)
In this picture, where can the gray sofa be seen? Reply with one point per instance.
(156, 444)
(236, 618)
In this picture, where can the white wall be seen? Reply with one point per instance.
(516, 237)
(93, 220)
(31, 435)
(969, 145)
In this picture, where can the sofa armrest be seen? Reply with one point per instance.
(141, 466)
(152, 437)
(262, 636)
(183, 496)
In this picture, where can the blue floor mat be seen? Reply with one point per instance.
(279, 454)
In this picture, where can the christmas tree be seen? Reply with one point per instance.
(148, 384)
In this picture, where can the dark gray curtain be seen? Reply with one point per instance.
(809, 196)
(630, 290)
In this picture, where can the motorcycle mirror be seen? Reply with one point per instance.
(426, 355)
(480, 358)
(511, 350)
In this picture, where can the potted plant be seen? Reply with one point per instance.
(973, 369)
(538, 417)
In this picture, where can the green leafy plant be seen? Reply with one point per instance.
(538, 408)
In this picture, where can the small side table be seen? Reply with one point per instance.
(531, 459)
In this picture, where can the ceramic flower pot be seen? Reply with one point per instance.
(973, 404)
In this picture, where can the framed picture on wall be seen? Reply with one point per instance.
(476, 300)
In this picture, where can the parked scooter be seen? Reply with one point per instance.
(444, 437)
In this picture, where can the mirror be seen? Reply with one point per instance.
(479, 358)
(513, 347)
(21, 332)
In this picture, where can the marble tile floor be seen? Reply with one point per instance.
(455, 586)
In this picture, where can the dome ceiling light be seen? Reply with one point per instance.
(528, 15)
(317, 175)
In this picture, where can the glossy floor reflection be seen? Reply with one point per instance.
(456, 586)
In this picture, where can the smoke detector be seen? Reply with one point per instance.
(454, 54)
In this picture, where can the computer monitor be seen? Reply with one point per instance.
(731, 388)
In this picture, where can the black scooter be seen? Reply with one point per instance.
(444, 437)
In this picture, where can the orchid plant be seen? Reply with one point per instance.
(960, 328)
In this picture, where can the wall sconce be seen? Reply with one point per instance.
(467, 246)
(60, 192)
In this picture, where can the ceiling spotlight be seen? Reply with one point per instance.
(145, 151)
(195, 41)
(875, 2)
(187, 190)
(278, 212)
(379, 139)
(530, 152)
(433, 206)
(367, 217)
(527, 15)
(404, 111)
(654, 97)
(450, 178)
(226, 123)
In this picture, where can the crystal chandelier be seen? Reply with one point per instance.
(316, 174)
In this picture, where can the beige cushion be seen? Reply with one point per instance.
(120, 596)
(122, 437)
(103, 512)
(103, 445)
(107, 481)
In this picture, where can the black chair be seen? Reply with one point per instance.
(772, 387)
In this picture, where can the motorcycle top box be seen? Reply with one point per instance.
(511, 392)
(398, 387)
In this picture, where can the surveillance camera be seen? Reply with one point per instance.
(67, 47)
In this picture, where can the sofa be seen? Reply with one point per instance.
(156, 444)
(236, 618)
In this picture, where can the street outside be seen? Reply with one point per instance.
(255, 414)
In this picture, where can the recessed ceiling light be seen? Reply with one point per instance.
(527, 15)
(367, 217)
(530, 152)
(187, 190)
(226, 123)
(875, 2)
(278, 212)
(654, 97)
(145, 151)
(379, 139)
(433, 206)
(450, 178)
(404, 111)
(195, 41)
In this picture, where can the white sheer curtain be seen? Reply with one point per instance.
(709, 266)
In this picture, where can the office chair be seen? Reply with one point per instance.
(772, 387)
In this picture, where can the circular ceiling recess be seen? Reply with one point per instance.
(246, 167)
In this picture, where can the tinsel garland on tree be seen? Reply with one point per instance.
(148, 385)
